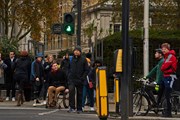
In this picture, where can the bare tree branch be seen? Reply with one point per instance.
(13, 22)
(12, 3)
(20, 30)
(22, 36)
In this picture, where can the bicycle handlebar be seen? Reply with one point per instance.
(143, 80)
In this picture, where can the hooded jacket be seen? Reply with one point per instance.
(157, 70)
(22, 67)
(78, 70)
(169, 65)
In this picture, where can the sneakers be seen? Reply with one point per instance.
(36, 103)
(83, 109)
(13, 99)
(92, 109)
(7, 98)
(44, 102)
(71, 110)
(79, 111)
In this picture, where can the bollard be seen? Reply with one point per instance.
(117, 78)
(101, 94)
(116, 94)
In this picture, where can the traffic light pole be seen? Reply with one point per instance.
(126, 53)
(79, 6)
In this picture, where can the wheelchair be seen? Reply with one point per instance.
(62, 101)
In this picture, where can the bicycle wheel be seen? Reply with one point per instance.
(66, 100)
(174, 104)
(140, 104)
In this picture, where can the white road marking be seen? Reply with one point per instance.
(49, 112)
(21, 108)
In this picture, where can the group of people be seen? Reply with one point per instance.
(74, 75)
(166, 75)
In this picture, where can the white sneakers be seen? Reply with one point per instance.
(7, 98)
(37, 103)
(92, 109)
(13, 99)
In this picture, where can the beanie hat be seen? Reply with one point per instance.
(159, 51)
(77, 48)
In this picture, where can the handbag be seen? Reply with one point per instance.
(89, 83)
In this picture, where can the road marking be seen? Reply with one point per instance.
(49, 112)
(21, 108)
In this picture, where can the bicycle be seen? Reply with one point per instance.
(142, 103)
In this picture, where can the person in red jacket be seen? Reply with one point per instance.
(168, 68)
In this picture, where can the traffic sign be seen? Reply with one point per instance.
(57, 28)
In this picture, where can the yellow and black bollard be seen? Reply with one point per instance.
(101, 94)
(118, 71)
(116, 94)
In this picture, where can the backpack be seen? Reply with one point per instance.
(32, 76)
(176, 84)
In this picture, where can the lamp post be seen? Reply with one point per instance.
(79, 6)
(146, 37)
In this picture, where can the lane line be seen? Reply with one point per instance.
(49, 112)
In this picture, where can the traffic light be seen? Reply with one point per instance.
(68, 26)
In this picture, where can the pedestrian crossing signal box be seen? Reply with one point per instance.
(118, 60)
(101, 93)
(118, 70)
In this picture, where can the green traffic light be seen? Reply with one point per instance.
(69, 25)
(68, 29)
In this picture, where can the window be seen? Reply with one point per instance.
(116, 27)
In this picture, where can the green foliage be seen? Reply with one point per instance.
(113, 42)
(164, 14)
(6, 45)
(63, 53)
(28, 15)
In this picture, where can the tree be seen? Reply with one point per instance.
(31, 16)
(88, 31)
(164, 14)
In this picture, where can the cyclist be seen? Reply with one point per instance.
(168, 68)
(159, 77)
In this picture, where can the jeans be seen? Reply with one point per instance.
(90, 93)
(168, 89)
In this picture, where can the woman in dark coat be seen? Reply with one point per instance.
(21, 74)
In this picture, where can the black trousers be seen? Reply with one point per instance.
(78, 88)
(10, 85)
(37, 89)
